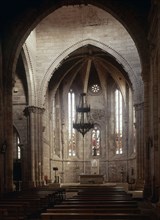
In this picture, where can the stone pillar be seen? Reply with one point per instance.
(139, 108)
(147, 168)
(6, 132)
(8, 137)
(158, 71)
(153, 143)
(154, 139)
(35, 146)
(1, 124)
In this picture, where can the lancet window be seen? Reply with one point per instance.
(118, 121)
(95, 140)
(71, 130)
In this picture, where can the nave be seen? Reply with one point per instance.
(75, 202)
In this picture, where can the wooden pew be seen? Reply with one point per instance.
(99, 208)
(69, 202)
(15, 209)
(81, 215)
(98, 197)
(28, 205)
(21, 205)
(13, 218)
(100, 188)
(96, 203)
(92, 199)
(95, 210)
(104, 192)
(3, 211)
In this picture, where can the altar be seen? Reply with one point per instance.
(91, 179)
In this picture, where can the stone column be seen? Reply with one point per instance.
(35, 146)
(8, 136)
(1, 119)
(139, 108)
(154, 139)
(158, 71)
(147, 128)
(6, 132)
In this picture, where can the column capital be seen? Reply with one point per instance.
(33, 109)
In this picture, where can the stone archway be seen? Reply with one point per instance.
(12, 41)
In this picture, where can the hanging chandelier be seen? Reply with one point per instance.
(83, 122)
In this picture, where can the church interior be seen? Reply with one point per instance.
(79, 101)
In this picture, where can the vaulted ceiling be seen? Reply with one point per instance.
(127, 55)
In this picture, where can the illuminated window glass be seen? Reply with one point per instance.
(95, 135)
(18, 148)
(134, 131)
(118, 121)
(95, 88)
(71, 131)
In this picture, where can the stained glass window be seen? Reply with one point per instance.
(95, 140)
(71, 117)
(134, 131)
(18, 148)
(95, 88)
(118, 121)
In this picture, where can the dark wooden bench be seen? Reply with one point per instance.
(13, 218)
(102, 198)
(21, 206)
(16, 211)
(110, 204)
(15, 208)
(3, 211)
(26, 203)
(96, 210)
(91, 187)
(67, 202)
(102, 193)
(97, 205)
(81, 215)
(32, 204)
